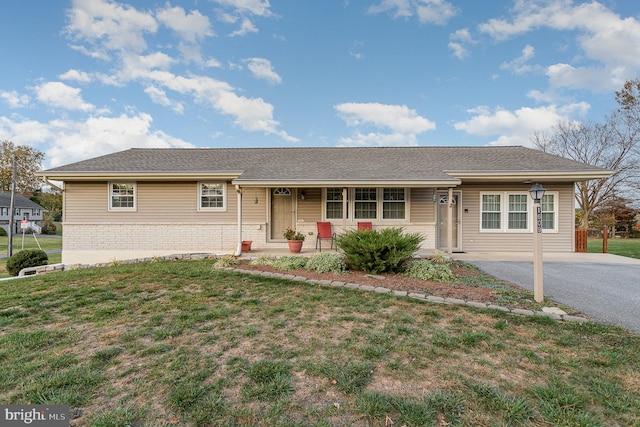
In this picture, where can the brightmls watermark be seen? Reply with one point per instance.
(34, 415)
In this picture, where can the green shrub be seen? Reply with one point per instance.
(378, 251)
(289, 263)
(3, 232)
(426, 270)
(327, 262)
(49, 228)
(263, 260)
(25, 259)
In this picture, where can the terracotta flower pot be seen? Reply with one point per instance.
(246, 245)
(295, 246)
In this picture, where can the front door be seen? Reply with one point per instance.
(443, 221)
(281, 211)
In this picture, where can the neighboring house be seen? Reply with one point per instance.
(24, 210)
(149, 202)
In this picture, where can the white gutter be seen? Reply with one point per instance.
(46, 179)
(238, 251)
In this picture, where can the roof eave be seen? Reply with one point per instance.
(137, 176)
(346, 183)
(531, 176)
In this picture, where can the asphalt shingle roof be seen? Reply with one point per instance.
(19, 201)
(328, 164)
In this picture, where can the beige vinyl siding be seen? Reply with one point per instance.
(156, 202)
(310, 209)
(251, 212)
(421, 205)
(474, 240)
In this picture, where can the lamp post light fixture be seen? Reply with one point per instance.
(537, 193)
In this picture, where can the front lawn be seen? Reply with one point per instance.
(623, 247)
(177, 343)
(46, 243)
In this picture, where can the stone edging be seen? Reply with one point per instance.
(552, 313)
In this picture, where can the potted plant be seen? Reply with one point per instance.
(294, 239)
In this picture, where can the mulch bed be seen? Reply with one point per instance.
(399, 282)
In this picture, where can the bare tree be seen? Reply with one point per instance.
(29, 162)
(613, 145)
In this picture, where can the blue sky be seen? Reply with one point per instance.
(83, 78)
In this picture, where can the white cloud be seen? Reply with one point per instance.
(378, 139)
(518, 126)
(112, 25)
(14, 99)
(160, 97)
(597, 79)
(75, 75)
(261, 68)
(58, 94)
(245, 28)
(403, 124)
(398, 118)
(427, 11)
(103, 26)
(255, 7)
(69, 141)
(191, 28)
(609, 44)
(458, 41)
(519, 65)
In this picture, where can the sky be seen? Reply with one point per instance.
(83, 78)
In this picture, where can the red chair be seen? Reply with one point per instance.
(324, 233)
(362, 226)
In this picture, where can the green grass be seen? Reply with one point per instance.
(623, 247)
(29, 243)
(178, 343)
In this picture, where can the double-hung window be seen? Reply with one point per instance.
(549, 211)
(333, 207)
(518, 207)
(393, 203)
(212, 196)
(365, 203)
(122, 196)
(514, 212)
(491, 212)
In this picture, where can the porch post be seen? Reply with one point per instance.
(238, 251)
(450, 221)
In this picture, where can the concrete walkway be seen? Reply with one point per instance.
(604, 287)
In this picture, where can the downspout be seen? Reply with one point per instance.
(238, 251)
(46, 179)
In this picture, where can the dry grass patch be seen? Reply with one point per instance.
(175, 343)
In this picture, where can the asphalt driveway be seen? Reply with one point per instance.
(604, 287)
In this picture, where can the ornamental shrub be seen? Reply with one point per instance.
(376, 251)
(289, 263)
(25, 259)
(327, 262)
(426, 270)
(3, 232)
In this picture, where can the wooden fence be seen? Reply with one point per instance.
(581, 240)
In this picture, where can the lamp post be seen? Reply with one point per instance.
(537, 193)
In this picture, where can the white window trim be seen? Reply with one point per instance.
(224, 197)
(504, 213)
(502, 219)
(351, 205)
(555, 214)
(135, 197)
